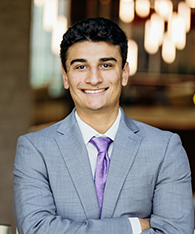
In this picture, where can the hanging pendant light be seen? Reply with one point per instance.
(132, 56)
(154, 30)
(164, 8)
(126, 10)
(177, 31)
(159, 26)
(184, 12)
(191, 3)
(168, 49)
(151, 41)
(142, 7)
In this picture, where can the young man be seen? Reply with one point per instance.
(98, 171)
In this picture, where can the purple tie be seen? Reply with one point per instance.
(102, 144)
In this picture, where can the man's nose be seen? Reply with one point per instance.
(94, 76)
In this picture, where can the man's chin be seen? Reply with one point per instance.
(95, 109)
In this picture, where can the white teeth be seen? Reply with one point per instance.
(94, 91)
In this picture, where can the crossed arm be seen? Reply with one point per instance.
(35, 209)
(145, 224)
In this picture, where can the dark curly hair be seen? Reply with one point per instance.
(94, 29)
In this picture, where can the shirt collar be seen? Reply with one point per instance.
(88, 132)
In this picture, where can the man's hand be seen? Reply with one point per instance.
(145, 224)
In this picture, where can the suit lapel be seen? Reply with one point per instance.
(76, 158)
(74, 152)
(126, 145)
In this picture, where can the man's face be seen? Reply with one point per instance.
(95, 76)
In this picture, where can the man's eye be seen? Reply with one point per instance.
(106, 65)
(81, 67)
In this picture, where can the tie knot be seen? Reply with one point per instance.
(101, 143)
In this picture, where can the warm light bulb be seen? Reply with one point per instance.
(191, 3)
(164, 8)
(158, 23)
(126, 10)
(151, 41)
(132, 56)
(177, 31)
(154, 30)
(57, 33)
(142, 7)
(168, 49)
(184, 12)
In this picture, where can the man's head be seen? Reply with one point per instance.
(93, 54)
(94, 30)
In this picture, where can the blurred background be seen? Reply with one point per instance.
(161, 89)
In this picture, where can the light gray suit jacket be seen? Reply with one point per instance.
(149, 176)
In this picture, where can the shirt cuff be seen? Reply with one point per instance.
(135, 225)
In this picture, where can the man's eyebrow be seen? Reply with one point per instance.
(107, 59)
(78, 60)
(85, 61)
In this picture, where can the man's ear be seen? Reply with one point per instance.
(65, 79)
(125, 74)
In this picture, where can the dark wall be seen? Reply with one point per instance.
(15, 95)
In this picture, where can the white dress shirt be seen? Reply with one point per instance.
(88, 132)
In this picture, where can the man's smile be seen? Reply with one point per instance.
(93, 91)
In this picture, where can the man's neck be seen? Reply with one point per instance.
(101, 121)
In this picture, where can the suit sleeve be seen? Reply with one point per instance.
(173, 210)
(34, 204)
